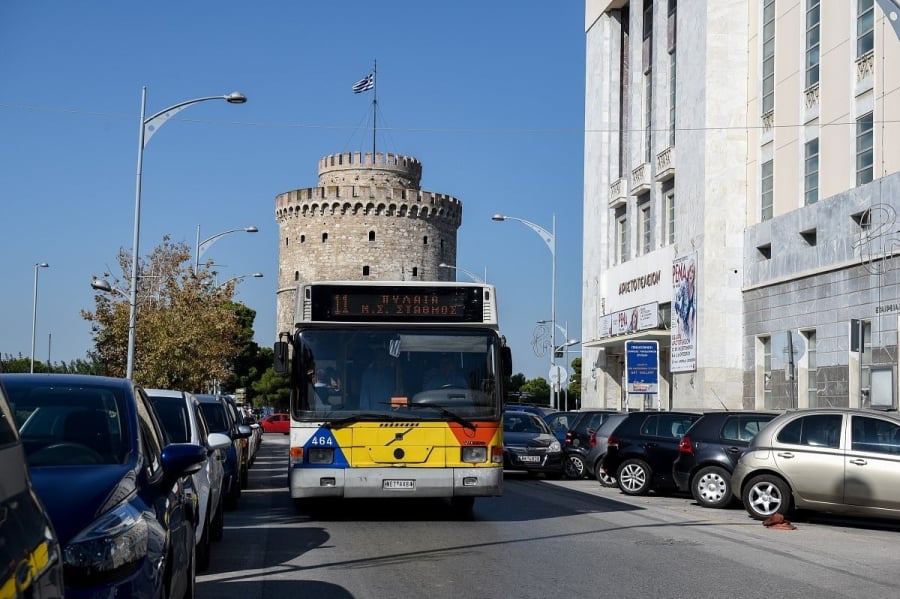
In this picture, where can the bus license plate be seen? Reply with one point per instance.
(399, 485)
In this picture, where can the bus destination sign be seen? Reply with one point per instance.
(348, 303)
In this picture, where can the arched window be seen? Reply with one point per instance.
(365, 271)
(296, 275)
(371, 235)
(324, 237)
(303, 239)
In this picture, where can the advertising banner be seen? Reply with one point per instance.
(642, 367)
(683, 354)
(639, 318)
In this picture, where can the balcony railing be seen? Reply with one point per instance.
(665, 164)
(640, 179)
(618, 193)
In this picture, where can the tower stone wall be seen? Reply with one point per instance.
(367, 220)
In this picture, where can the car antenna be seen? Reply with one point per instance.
(720, 399)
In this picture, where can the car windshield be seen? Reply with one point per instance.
(524, 422)
(173, 415)
(70, 425)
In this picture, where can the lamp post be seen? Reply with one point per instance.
(202, 246)
(149, 126)
(37, 265)
(469, 273)
(549, 238)
(256, 275)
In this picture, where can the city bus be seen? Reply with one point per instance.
(396, 391)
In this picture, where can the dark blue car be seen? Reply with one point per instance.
(114, 491)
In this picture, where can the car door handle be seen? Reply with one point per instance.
(859, 462)
(785, 454)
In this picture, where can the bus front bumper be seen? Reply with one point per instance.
(395, 482)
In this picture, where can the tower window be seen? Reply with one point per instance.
(296, 275)
(303, 239)
(415, 272)
(371, 235)
(324, 237)
(287, 241)
(365, 271)
(425, 240)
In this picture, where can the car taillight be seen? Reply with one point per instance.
(593, 440)
(568, 437)
(613, 441)
(684, 446)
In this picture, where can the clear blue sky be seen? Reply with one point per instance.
(488, 95)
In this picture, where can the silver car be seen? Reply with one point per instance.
(183, 421)
(839, 460)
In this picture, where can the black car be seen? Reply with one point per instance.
(529, 444)
(578, 442)
(598, 443)
(709, 451)
(221, 418)
(30, 559)
(560, 423)
(640, 451)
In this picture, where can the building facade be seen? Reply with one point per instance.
(770, 231)
(368, 219)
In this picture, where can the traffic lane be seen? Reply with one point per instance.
(541, 538)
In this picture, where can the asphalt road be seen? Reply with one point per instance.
(541, 539)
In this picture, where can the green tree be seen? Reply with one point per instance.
(272, 390)
(574, 386)
(539, 389)
(188, 332)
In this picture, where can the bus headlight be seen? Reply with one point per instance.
(474, 455)
(320, 455)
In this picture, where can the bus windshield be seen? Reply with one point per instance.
(412, 373)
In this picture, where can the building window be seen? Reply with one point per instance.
(303, 239)
(287, 241)
(670, 217)
(415, 271)
(296, 275)
(811, 172)
(865, 27)
(812, 42)
(621, 237)
(425, 240)
(812, 395)
(371, 235)
(647, 54)
(766, 343)
(645, 227)
(673, 5)
(767, 192)
(624, 87)
(768, 57)
(864, 156)
(365, 271)
(324, 237)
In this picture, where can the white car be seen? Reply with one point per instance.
(183, 422)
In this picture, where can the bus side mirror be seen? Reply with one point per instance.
(506, 361)
(281, 357)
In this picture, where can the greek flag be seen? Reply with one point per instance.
(364, 84)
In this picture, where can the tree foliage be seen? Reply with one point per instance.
(538, 388)
(188, 331)
(574, 386)
(272, 390)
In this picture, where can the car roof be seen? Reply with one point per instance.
(67, 379)
(164, 393)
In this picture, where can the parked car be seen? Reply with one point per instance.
(598, 443)
(640, 451)
(183, 421)
(529, 444)
(114, 491)
(541, 411)
(578, 442)
(709, 450)
(30, 558)
(247, 442)
(276, 423)
(560, 422)
(221, 419)
(255, 439)
(839, 460)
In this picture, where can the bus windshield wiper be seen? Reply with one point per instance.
(444, 411)
(363, 417)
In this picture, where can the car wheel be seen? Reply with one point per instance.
(231, 500)
(766, 495)
(245, 477)
(603, 477)
(217, 526)
(191, 582)
(202, 549)
(574, 466)
(711, 487)
(634, 477)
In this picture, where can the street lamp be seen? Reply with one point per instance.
(37, 265)
(256, 275)
(202, 246)
(149, 126)
(470, 274)
(549, 238)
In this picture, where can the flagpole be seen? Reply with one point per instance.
(374, 106)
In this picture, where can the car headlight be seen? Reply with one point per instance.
(110, 548)
(554, 447)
